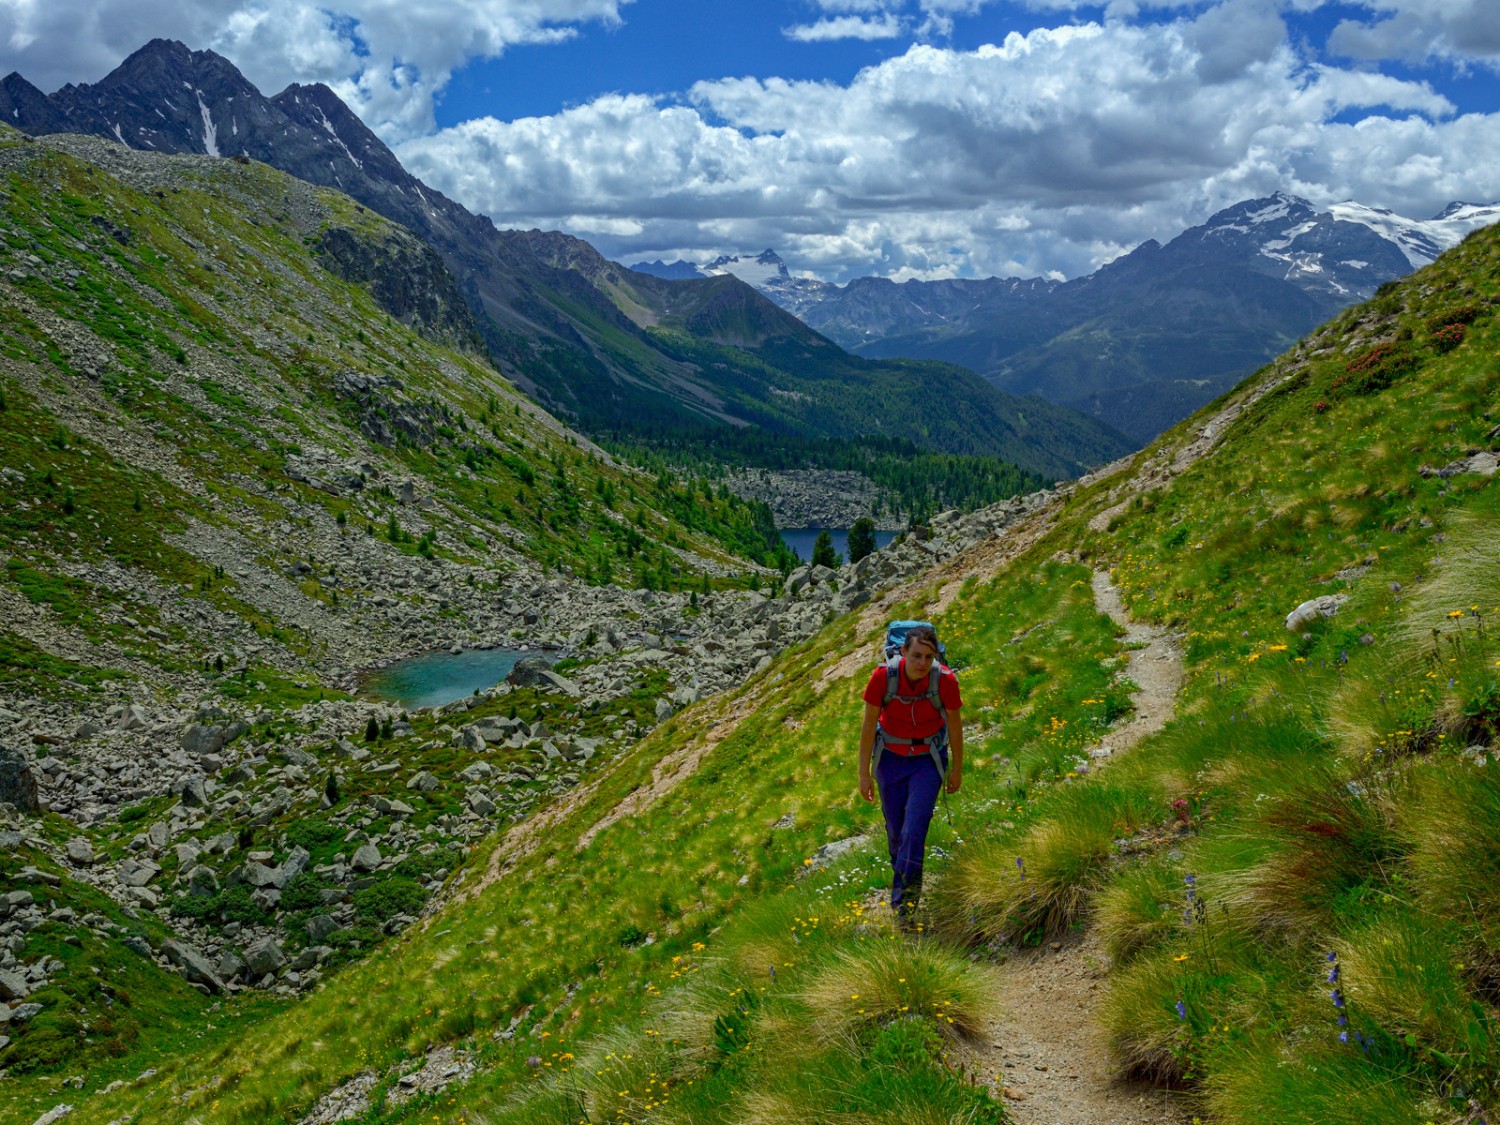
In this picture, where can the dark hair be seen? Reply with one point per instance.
(924, 633)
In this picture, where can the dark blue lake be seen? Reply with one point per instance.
(801, 540)
(435, 678)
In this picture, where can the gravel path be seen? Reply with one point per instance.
(1047, 1056)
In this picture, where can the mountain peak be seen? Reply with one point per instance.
(163, 63)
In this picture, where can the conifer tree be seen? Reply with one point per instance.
(861, 538)
(823, 553)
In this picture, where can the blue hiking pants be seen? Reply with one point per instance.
(908, 795)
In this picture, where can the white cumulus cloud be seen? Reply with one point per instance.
(1051, 151)
(885, 26)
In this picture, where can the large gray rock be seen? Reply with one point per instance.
(136, 872)
(366, 858)
(202, 738)
(319, 926)
(194, 965)
(134, 717)
(258, 874)
(193, 791)
(551, 680)
(230, 965)
(529, 672)
(481, 804)
(202, 882)
(80, 851)
(295, 865)
(263, 956)
(13, 985)
(17, 781)
(1303, 617)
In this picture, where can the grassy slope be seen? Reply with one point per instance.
(195, 321)
(1327, 802)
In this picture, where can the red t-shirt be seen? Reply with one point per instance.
(918, 720)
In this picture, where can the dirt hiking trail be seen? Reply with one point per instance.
(1046, 1056)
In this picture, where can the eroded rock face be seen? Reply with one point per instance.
(17, 781)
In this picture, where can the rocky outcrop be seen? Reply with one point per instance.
(816, 497)
(406, 278)
(17, 782)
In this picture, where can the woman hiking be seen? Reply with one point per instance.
(911, 726)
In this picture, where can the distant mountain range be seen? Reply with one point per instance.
(1146, 339)
(611, 350)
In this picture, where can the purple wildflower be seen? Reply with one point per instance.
(1181, 1010)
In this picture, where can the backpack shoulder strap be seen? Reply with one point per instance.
(934, 696)
(892, 678)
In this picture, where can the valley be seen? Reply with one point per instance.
(289, 441)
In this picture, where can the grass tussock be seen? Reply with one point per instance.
(1452, 827)
(1403, 976)
(1313, 1082)
(1327, 838)
(1139, 909)
(1044, 881)
(879, 982)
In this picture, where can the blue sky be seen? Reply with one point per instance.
(905, 138)
(663, 47)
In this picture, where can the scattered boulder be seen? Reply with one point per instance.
(13, 985)
(830, 852)
(201, 738)
(136, 872)
(230, 965)
(194, 965)
(367, 857)
(193, 791)
(530, 671)
(202, 882)
(320, 926)
(1305, 615)
(80, 851)
(263, 956)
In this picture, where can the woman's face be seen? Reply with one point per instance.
(919, 657)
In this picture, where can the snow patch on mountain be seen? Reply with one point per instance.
(764, 269)
(210, 130)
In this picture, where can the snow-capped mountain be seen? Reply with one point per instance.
(1420, 240)
(1152, 335)
(765, 270)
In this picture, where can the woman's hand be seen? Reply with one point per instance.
(955, 778)
(866, 785)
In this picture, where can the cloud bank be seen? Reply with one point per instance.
(1051, 152)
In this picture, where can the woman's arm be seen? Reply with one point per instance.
(866, 748)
